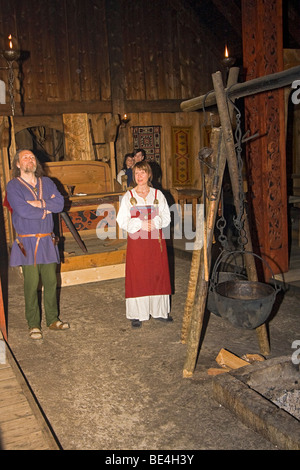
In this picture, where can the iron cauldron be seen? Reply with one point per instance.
(245, 304)
(222, 278)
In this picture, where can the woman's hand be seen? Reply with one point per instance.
(148, 225)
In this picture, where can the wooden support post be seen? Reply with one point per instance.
(232, 163)
(197, 253)
(197, 315)
(227, 153)
(233, 170)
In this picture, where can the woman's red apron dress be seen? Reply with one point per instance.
(147, 267)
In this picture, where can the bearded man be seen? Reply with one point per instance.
(33, 198)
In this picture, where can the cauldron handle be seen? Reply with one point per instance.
(227, 254)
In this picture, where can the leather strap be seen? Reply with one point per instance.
(38, 236)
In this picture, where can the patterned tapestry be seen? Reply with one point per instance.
(182, 156)
(147, 138)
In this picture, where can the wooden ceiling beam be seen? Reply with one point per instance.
(58, 107)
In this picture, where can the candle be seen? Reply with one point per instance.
(11, 53)
(228, 61)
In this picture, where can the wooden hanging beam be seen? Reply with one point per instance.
(197, 314)
(251, 87)
(227, 153)
(232, 163)
(233, 171)
(197, 253)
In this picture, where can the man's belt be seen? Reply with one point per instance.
(38, 236)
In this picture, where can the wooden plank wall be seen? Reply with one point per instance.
(64, 41)
(66, 52)
(124, 143)
(166, 56)
(166, 121)
(68, 61)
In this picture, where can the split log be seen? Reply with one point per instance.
(253, 358)
(216, 371)
(227, 359)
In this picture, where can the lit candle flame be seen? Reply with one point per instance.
(226, 52)
(10, 41)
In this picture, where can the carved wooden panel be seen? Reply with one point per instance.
(264, 112)
(77, 137)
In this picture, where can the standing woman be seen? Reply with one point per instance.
(143, 213)
(126, 169)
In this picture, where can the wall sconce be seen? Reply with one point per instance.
(11, 54)
(124, 120)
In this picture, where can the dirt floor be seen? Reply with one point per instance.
(104, 385)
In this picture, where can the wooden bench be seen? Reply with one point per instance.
(87, 177)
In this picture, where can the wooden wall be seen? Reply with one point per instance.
(166, 121)
(104, 58)
(64, 44)
(50, 138)
(68, 51)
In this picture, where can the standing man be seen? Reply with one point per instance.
(139, 155)
(33, 198)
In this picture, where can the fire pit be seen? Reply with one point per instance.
(265, 397)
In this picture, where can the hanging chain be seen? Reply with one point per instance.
(11, 81)
(221, 224)
(238, 220)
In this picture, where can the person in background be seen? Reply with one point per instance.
(126, 169)
(143, 213)
(33, 198)
(139, 155)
